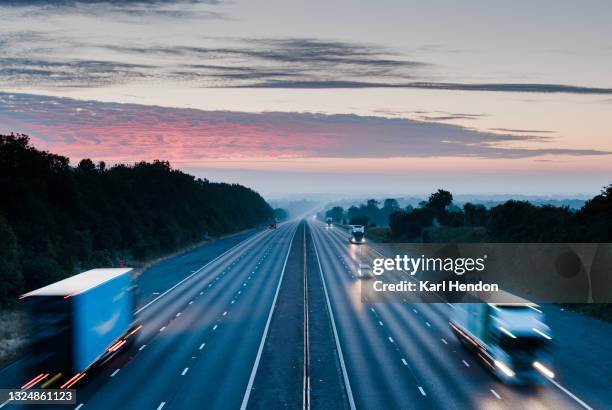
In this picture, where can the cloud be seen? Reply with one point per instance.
(115, 8)
(497, 87)
(130, 132)
(522, 131)
(272, 63)
(115, 3)
(70, 73)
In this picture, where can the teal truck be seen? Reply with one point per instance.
(77, 323)
(512, 339)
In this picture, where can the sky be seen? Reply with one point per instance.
(343, 97)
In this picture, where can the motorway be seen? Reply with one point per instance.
(274, 319)
(402, 355)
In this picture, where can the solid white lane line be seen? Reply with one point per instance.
(422, 391)
(495, 394)
(247, 393)
(465, 363)
(161, 405)
(250, 238)
(202, 346)
(114, 373)
(347, 384)
(185, 370)
(572, 395)
(142, 347)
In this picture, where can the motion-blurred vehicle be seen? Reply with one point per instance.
(78, 323)
(272, 225)
(364, 271)
(329, 222)
(512, 339)
(356, 234)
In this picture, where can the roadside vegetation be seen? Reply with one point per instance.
(439, 220)
(57, 220)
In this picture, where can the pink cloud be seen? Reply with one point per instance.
(129, 132)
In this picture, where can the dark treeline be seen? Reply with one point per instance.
(368, 214)
(56, 220)
(512, 221)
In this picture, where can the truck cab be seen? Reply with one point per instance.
(512, 339)
(357, 234)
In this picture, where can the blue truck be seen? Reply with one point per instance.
(79, 322)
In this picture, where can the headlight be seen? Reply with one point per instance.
(505, 369)
(544, 370)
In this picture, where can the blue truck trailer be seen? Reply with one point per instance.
(79, 322)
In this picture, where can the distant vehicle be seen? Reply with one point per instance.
(272, 225)
(512, 339)
(364, 271)
(79, 322)
(356, 234)
(329, 222)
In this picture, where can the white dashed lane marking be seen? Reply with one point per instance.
(495, 394)
(114, 373)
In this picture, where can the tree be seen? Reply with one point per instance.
(438, 201)
(280, 214)
(336, 214)
(391, 204)
(10, 268)
(475, 215)
(59, 220)
(359, 220)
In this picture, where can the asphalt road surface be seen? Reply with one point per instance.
(274, 319)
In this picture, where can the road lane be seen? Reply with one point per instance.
(211, 338)
(423, 343)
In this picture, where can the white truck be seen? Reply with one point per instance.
(512, 339)
(356, 234)
(328, 222)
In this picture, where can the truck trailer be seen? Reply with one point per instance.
(79, 322)
(512, 339)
